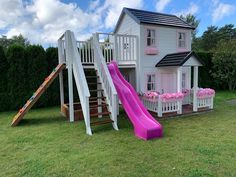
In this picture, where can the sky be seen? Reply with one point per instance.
(44, 21)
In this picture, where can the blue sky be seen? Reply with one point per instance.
(43, 21)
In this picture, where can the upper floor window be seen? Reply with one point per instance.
(151, 37)
(181, 40)
(151, 81)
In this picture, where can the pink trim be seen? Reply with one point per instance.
(151, 51)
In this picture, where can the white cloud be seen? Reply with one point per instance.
(221, 10)
(192, 9)
(161, 4)
(44, 21)
(113, 8)
(10, 12)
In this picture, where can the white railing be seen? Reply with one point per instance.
(105, 78)
(86, 51)
(126, 47)
(119, 47)
(160, 107)
(205, 102)
(74, 64)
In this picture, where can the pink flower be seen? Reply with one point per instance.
(204, 93)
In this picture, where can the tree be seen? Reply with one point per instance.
(209, 38)
(227, 32)
(193, 21)
(18, 40)
(224, 63)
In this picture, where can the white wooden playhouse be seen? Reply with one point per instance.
(153, 53)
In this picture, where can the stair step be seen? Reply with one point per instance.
(96, 90)
(94, 83)
(91, 77)
(101, 105)
(100, 114)
(101, 122)
(95, 98)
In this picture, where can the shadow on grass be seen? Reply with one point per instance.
(43, 120)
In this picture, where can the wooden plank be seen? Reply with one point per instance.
(19, 116)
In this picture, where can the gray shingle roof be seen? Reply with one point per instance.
(153, 18)
(177, 59)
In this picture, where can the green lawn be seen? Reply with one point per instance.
(193, 146)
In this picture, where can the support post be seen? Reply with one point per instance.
(179, 79)
(179, 88)
(70, 74)
(138, 67)
(159, 108)
(115, 58)
(61, 59)
(195, 88)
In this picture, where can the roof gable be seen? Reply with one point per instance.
(188, 58)
(153, 18)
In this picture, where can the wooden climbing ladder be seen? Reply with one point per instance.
(19, 116)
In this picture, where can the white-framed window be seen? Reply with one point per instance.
(151, 82)
(181, 39)
(151, 37)
(184, 80)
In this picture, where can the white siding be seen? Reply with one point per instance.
(166, 42)
(128, 26)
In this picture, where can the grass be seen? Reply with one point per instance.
(193, 146)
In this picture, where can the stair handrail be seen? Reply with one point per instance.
(79, 75)
(106, 80)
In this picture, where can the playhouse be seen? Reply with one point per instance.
(145, 64)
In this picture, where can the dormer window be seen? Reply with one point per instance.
(151, 37)
(181, 40)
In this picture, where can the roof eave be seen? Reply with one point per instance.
(185, 27)
(125, 11)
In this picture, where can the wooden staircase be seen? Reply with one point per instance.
(98, 107)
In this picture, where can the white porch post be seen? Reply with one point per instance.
(179, 79)
(61, 59)
(195, 87)
(179, 87)
(70, 74)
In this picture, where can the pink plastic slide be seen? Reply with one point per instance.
(145, 126)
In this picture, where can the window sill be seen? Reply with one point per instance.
(182, 50)
(151, 51)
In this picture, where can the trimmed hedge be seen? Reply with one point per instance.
(16, 76)
(36, 70)
(3, 80)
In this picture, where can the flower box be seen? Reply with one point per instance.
(151, 51)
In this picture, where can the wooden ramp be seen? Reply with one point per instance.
(19, 116)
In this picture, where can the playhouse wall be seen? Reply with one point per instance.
(166, 42)
(128, 26)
